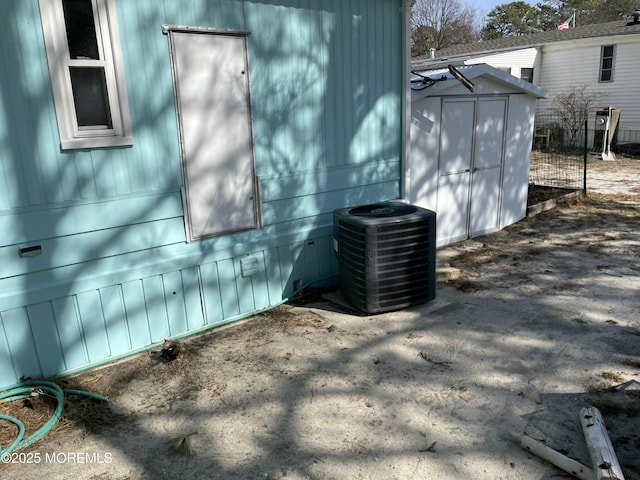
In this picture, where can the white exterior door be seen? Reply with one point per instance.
(454, 178)
(470, 167)
(486, 171)
(212, 90)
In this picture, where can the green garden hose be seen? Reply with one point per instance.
(25, 390)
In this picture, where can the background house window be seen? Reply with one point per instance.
(87, 76)
(526, 74)
(606, 63)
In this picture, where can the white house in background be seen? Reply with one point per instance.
(469, 151)
(605, 57)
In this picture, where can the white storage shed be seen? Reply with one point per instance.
(470, 148)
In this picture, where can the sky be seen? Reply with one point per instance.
(485, 6)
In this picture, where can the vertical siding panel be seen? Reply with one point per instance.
(21, 194)
(212, 301)
(317, 255)
(70, 332)
(365, 85)
(314, 70)
(9, 191)
(82, 166)
(228, 288)
(174, 294)
(8, 374)
(185, 12)
(273, 271)
(245, 288)
(299, 260)
(324, 255)
(344, 89)
(136, 313)
(286, 262)
(154, 163)
(115, 319)
(22, 348)
(351, 88)
(21, 121)
(376, 69)
(46, 338)
(156, 308)
(311, 260)
(103, 172)
(44, 133)
(333, 38)
(192, 298)
(260, 284)
(93, 327)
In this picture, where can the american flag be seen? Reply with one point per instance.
(564, 25)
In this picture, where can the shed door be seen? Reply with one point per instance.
(470, 169)
(488, 156)
(454, 182)
(212, 92)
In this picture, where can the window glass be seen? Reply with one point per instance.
(90, 96)
(81, 29)
(526, 73)
(606, 63)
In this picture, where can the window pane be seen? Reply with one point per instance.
(605, 76)
(526, 74)
(607, 51)
(607, 63)
(90, 96)
(81, 29)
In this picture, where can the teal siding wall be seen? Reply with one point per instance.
(115, 272)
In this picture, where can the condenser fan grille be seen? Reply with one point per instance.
(387, 261)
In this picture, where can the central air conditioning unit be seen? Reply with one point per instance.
(386, 255)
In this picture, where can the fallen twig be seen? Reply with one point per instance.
(424, 356)
(430, 448)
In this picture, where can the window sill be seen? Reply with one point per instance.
(96, 142)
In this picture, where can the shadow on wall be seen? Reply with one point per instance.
(314, 153)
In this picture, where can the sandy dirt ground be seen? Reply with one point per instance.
(537, 321)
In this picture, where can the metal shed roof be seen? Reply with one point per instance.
(434, 81)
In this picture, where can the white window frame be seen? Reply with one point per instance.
(108, 38)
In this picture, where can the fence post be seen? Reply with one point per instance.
(586, 132)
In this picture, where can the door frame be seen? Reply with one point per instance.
(187, 208)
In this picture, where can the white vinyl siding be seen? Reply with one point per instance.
(585, 69)
(87, 75)
(522, 64)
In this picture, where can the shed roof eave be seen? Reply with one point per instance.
(475, 71)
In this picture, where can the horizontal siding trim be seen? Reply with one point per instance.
(77, 218)
(37, 287)
(276, 187)
(307, 206)
(75, 249)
